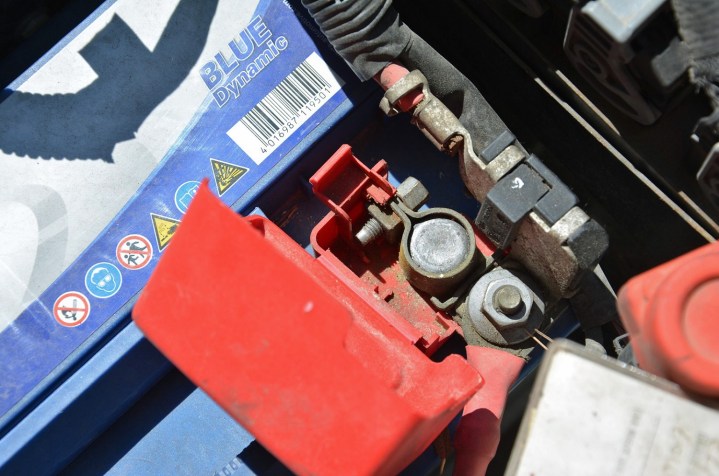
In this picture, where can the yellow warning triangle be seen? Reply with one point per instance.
(164, 229)
(226, 174)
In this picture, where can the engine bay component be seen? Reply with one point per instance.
(622, 420)
(628, 51)
(503, 308)
(525, 208)
(670, 313)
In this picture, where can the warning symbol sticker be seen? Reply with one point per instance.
(164, 229)
(103, 280)
(71, 309)
(226, 174)
(134, 252)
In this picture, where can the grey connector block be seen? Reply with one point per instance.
(559, 200)
(508, 202)
(530, 186)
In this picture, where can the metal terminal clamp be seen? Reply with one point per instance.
(547, 233)
(431, 115)
(437, 248)
(384, 221)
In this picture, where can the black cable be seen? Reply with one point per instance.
(369, 34)
(366, 33)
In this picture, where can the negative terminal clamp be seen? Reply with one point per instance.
(525, 207)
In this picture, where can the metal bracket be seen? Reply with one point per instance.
(543, 236)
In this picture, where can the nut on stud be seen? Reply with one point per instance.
(504, 307)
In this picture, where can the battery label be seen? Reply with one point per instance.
(289, 105)
(259, 87)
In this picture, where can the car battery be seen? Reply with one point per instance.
(107, 138)
(134, 116)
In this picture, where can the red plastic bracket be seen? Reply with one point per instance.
(344, 184)
(291, 352)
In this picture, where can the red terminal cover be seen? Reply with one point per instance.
(672, 315)
(317, 375)
(347, 186)
(479, 430)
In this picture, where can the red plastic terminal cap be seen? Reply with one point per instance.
(683, 323)
(320, 378)
(672, 314)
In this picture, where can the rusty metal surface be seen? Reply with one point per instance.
(540, 246)
(647, 225)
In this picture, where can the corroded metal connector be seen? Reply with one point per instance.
(525, 207)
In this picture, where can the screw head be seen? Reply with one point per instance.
(507, 299)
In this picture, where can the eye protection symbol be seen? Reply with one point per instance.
(103, 280)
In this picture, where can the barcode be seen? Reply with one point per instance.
(279, 114)
(284, 102)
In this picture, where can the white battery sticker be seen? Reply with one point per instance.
(591, 416)
(289, 105)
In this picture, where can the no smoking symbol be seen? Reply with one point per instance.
(134, 252)
(71, 309)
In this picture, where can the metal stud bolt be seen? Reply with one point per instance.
(371, 230)
(507, 299)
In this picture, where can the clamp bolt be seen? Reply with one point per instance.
(371, 230)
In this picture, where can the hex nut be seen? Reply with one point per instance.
(489, 323)
(412, 193)
(390, 222)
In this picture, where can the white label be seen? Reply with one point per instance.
(595, 419)
(289, 105)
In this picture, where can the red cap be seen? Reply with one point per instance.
(672, 314)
